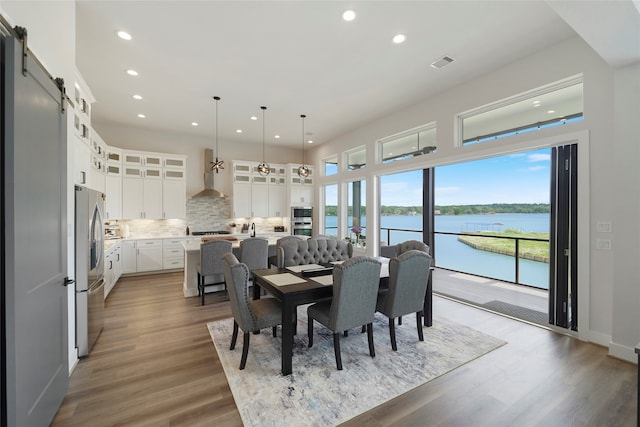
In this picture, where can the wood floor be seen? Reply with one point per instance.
(155, 365)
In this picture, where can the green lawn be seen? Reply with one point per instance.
(533, 250)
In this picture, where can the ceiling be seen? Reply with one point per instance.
(294, 57)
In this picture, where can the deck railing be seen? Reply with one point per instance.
(417, 234)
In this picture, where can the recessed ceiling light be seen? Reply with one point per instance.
(276, 136)
(124, 35)
(309, 142)
(349, 15)
(132, 72)
(137, 97)
(551, 111)
(238, 130)
(194, 124)
(254, 118)
(536, 103)
(399, 38)
(142, 116)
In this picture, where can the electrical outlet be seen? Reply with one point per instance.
(603, 244)
(603, 227)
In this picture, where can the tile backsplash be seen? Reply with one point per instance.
(203, 214)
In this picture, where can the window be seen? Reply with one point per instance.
(356, 212)
(409, 144)
(331, 210)
(555, 105)
(330, 165)
(357, 158)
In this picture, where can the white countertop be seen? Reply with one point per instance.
(194, 244)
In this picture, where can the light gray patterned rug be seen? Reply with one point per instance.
(316, 393)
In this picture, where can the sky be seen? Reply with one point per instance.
(516, 178)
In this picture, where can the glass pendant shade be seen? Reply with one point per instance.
(218, 164)
(303, 170)
(263, 168)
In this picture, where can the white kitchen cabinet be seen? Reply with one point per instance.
(300, 189)
(142, 194)
(259, 196)
(175, 161)
(117, 263)
(149, 255)
(108, 274)
(301, 194)
(174, 194)
(112, 268)
(129, 255)
(242, 200)
(152, 194)
(82, 160)
(172, 253)
(113, 202)
(132, 197)
(277, 196)
(141, 255)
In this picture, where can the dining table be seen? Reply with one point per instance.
(304, 284)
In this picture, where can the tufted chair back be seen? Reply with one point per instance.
(412, 245)
(313, 251)
(237, 278)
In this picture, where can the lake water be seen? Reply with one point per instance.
(450, 253)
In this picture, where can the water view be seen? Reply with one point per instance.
(451, 253)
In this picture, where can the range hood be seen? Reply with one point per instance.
(209, 191)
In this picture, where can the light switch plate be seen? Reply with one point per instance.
(603, 244)
(603, 227)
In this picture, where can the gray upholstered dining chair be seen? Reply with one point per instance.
(411, 245)
(408, 276)
(211, 264)
(254, 252)
(248, 315)
(355, 289)
(417, 245)
(273, 260)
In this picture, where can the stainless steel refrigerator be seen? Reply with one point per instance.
(89, 236)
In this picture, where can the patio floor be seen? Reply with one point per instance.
(518, 301)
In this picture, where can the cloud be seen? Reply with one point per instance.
(539, 157)
(536, 168)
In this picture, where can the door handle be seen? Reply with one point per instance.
(68, 281)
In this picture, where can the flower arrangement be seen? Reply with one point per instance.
(356, 229)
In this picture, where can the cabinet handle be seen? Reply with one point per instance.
(84, 177)
(110, 265)
(118, 257)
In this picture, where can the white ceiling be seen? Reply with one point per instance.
(293, 57)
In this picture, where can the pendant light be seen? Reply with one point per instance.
(218, 164)
(303, 170)
(263, 168)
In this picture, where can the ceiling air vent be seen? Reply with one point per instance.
(445, 60)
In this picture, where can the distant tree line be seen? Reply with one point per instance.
(454, 209)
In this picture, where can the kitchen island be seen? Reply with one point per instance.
(192, 260)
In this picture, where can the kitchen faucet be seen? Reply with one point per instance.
(253, 229)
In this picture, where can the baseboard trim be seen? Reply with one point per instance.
(623, 352)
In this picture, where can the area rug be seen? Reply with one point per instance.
(316, 393)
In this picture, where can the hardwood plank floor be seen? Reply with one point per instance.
(155, 365)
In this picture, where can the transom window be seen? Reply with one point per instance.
(409, 144)
(555, 105)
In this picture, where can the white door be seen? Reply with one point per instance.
(34, 203)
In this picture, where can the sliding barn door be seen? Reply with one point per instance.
(563, 238)
(34, 253)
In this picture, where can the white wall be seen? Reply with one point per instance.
(626, 230)
(193, 146)
(558, 62)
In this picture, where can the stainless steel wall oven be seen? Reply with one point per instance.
(302, 221)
